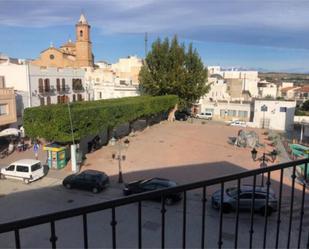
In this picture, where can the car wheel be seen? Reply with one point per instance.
(266, 212)
(2, 176)
(226, 208)
(68, 186)
(169, 201)
(26, 180)
(95, 190)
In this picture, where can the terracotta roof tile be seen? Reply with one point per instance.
(288, 88)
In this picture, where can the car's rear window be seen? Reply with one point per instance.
(232, 192)
(172, 184)
(97, 177)
(35, 167)
(100, 177)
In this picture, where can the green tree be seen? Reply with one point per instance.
(305, 106)
(170, 68)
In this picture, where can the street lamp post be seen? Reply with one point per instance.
(263, 159)
(73, 146)
(119, 156)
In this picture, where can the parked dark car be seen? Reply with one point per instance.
(150, 185)
(230, 198)
(92, 180)
(181, 116)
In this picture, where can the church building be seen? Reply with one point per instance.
(70, 54)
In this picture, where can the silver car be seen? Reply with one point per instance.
(245, 199)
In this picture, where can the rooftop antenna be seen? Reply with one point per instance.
(146, 44)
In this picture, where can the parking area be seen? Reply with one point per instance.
(182, 151)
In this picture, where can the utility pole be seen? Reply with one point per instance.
(146, 44)
(73, 146)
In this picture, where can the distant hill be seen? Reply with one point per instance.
(297, 78)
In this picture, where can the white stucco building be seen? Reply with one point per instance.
(287, 84)
(114, 80)
(218, 88)
(267, 90)
(240, 84)
(127, 69)
(44, 85)
(249, 80)
(273, 114)
(16, 75)
(227, 110)
(57, 85)
(50, 85)
(289, 93)
(213, 70)
(259, 113)
(105, 84)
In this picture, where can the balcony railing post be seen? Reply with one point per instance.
(204, 200)
(53, 238)
(266, 210)
(184, 217)
(17, 239)
(293, 176)
(279, 209)
(113, 224)
(139, 224)
(220, 242)
(251, 231)
(300, 230)
(163, 210)
(85, 229)
(237, 215)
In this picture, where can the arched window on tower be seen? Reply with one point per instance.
(81, 33)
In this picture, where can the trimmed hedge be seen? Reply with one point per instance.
(89, 118)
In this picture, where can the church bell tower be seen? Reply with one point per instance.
(84, 57)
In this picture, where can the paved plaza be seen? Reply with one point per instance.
(181, 151)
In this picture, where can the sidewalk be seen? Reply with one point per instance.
(28, 154)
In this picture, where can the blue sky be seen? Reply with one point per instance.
(261, 34)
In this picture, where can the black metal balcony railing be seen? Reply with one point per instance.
(78, 89)
(63, 90)
(299, 235)
(47, 92)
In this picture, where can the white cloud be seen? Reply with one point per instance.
(253, 20)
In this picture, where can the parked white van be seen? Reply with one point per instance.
(238, 123)
(205, 115)
(27, 170)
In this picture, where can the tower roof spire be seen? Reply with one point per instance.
(82, 19)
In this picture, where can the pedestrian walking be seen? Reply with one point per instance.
(36, 150)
